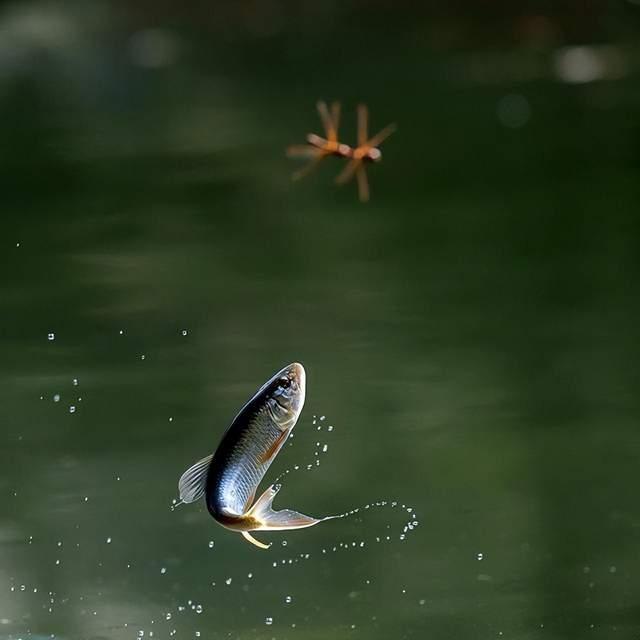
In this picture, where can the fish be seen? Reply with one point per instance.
(229, 478)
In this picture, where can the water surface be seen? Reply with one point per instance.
(471, 335)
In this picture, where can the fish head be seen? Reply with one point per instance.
(286, 393)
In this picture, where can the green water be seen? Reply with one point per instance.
(471, 334)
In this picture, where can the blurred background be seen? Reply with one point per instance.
(471, 334)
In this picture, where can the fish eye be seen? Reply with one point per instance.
(285, 383)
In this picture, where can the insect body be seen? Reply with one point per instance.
(318, 148)
(366, 151)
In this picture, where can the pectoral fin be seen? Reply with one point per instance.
(275, 447)
(268, 519)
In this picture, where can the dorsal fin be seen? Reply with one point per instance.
(193, 481)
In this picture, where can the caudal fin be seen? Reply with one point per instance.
(270, 520)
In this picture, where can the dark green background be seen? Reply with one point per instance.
(472, 333)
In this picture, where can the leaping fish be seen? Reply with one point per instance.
(229, 478)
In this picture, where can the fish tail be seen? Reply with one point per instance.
(267, 519)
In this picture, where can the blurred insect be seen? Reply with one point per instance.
(366, 151)
(318, 148)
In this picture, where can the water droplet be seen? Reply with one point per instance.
(228, 581)
(168, 616)
(108, 540)
(72, 409)
(56, 397)
(163, 570)
(480, 556)
(288, 599)
(330, 427)
(323, 418)
(184, 332)
(199, 608)
(51, 336)
(268, 620)
(142, 357)
(121, 332)
(249, 575)
(325, 448)
(284, 543)
(612, 569)
(170, 419)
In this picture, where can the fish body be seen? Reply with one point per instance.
(229, 479)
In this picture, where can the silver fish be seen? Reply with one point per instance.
(229, 478)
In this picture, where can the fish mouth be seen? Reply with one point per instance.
(297, 374)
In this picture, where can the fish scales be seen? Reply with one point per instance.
(239, 473)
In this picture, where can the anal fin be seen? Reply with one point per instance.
(247, 536)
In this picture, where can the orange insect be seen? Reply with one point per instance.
(318, 148)
(366, 151)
